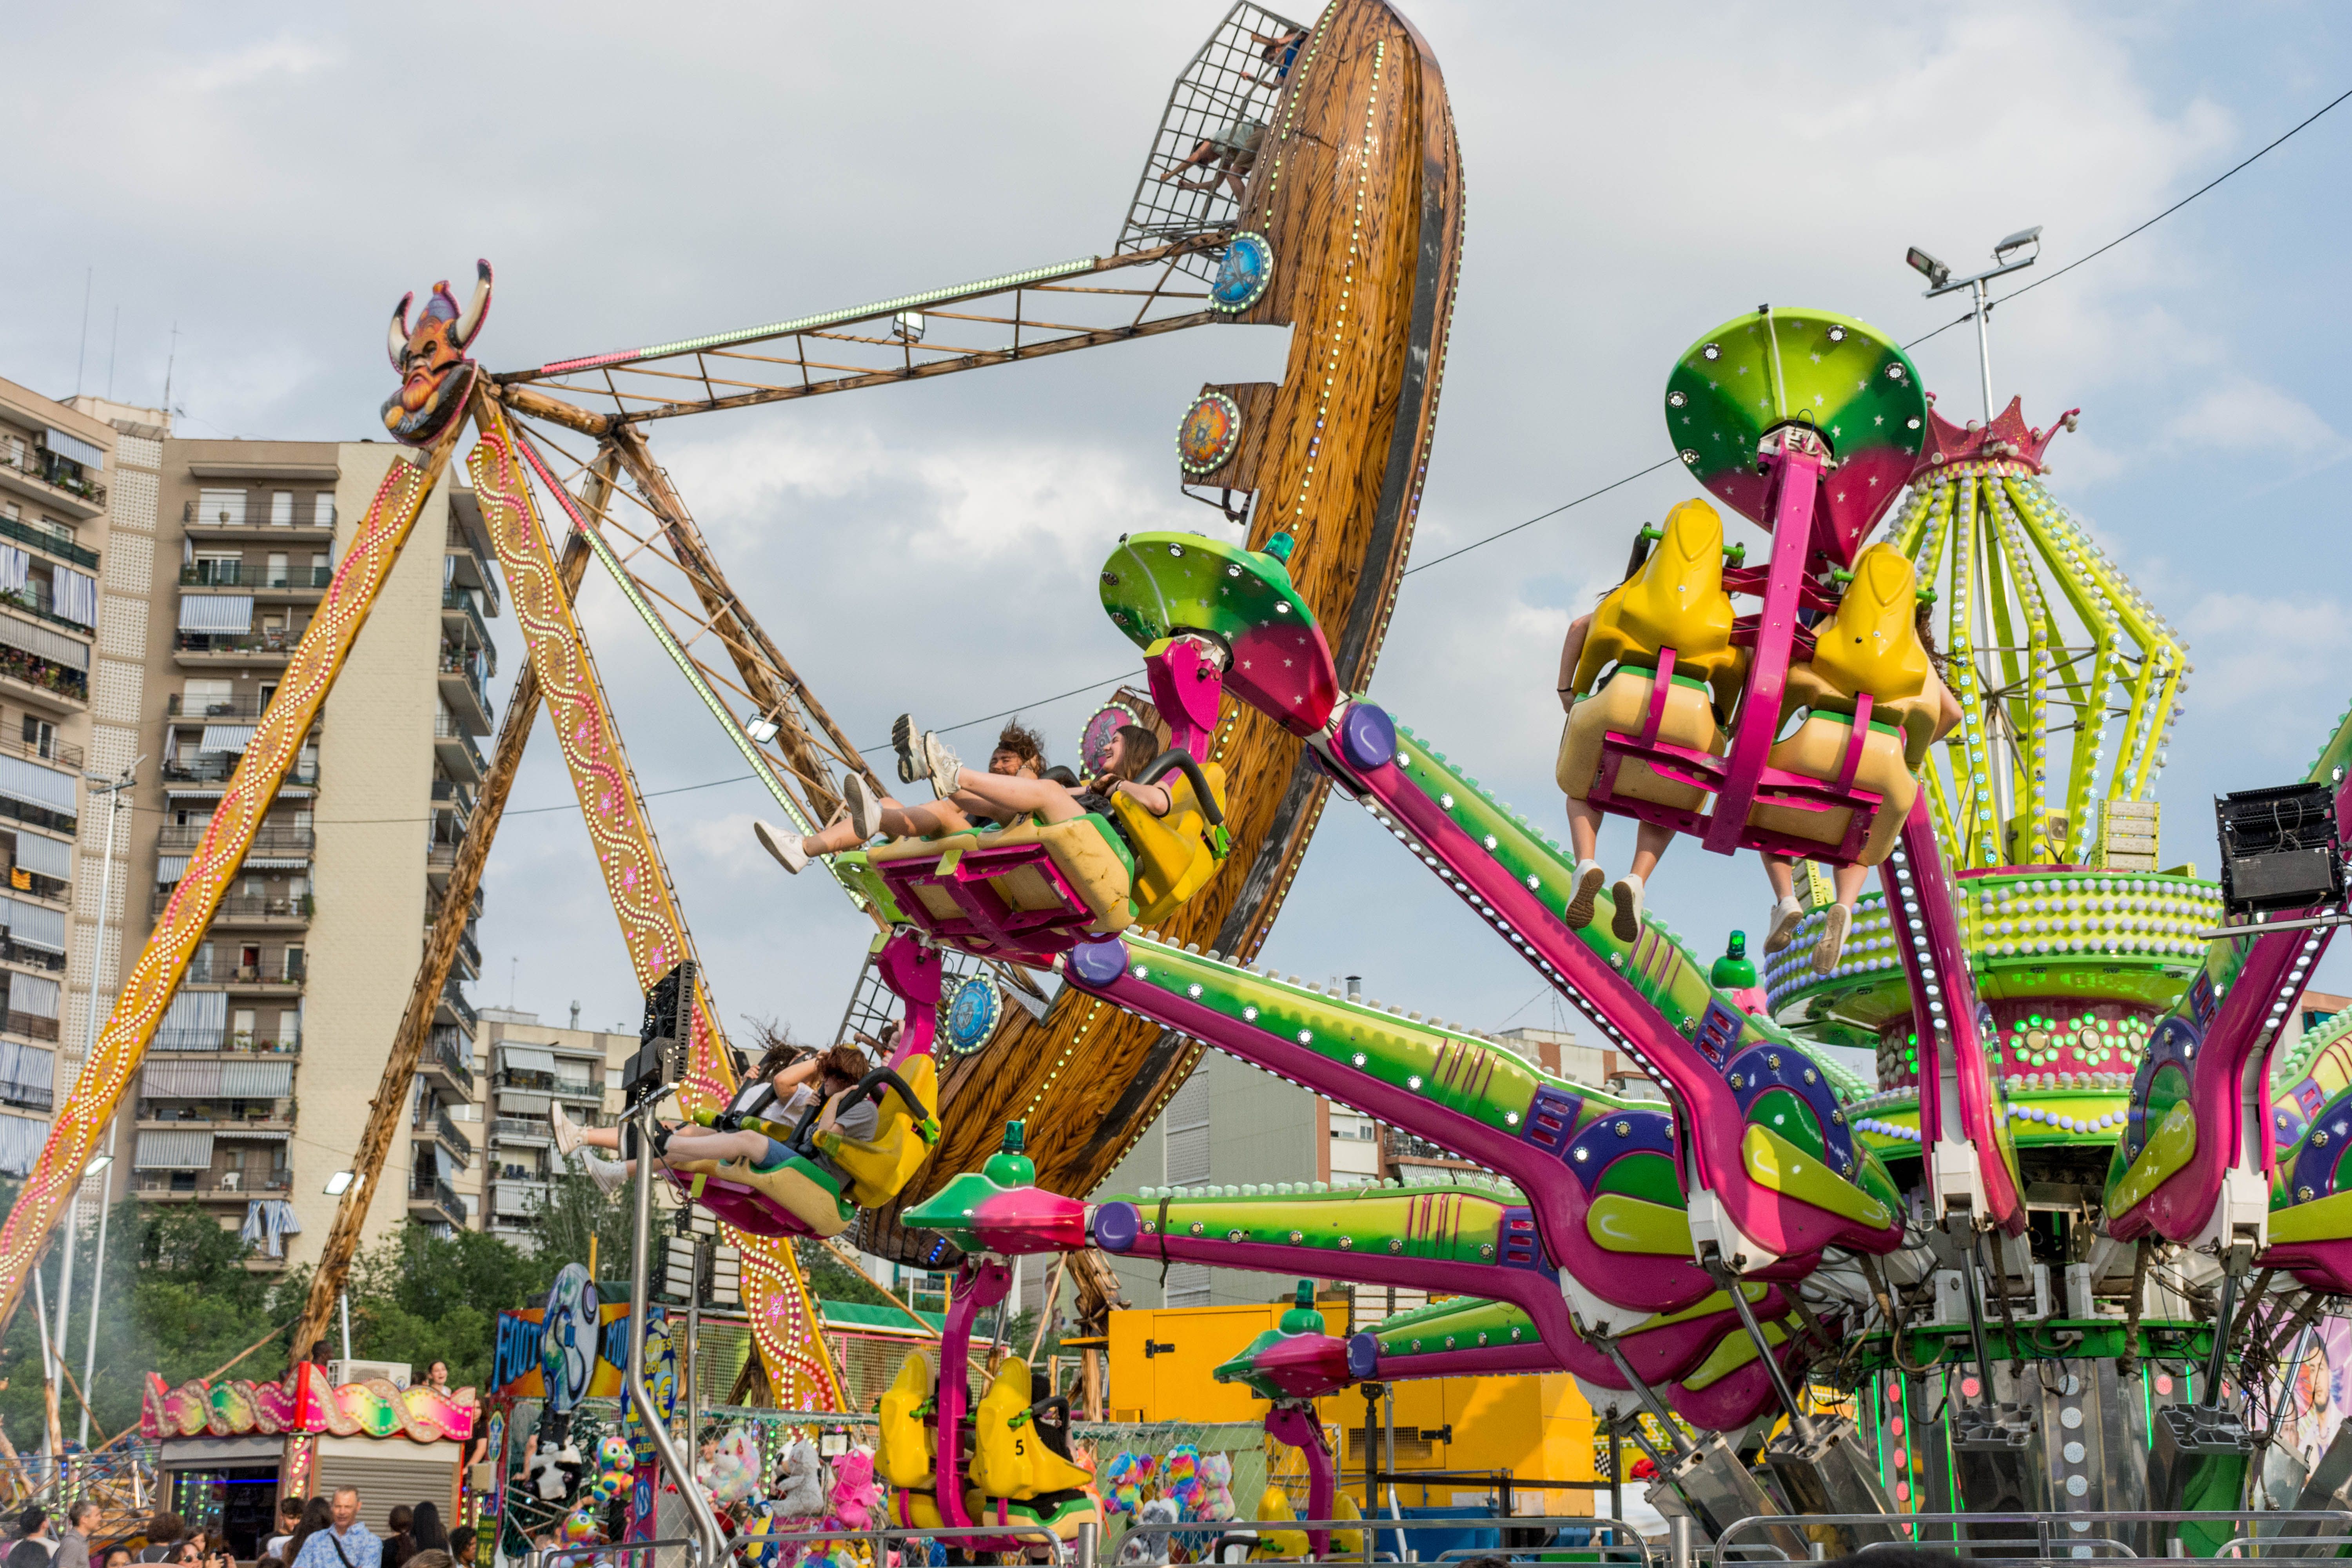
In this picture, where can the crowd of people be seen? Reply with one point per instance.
(319, 1532)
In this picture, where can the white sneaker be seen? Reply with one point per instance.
(609, 1175)
(1588, 880)
(1832, 947)
(567, 1132)
(1626, 925)
(946, 767)
(864, 811)
(1781, 925)
(785, 847)
(902, 741)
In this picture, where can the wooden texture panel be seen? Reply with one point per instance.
(1360, 194)
(1255, 400)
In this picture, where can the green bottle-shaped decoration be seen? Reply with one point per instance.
(1735, 971)
(1303, 1319)
(1009, 1167)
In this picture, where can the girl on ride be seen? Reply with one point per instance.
(1020, 753)
(1781, 870)
(1131, 750)
(835, 1071)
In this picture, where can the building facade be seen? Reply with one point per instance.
(293, 997)
(529, 1067)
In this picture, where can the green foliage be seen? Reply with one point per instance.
(420, 1298)
(831, 1280)
(573, 1211)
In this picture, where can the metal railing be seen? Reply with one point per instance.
(508, 1128)
(231, 709)
(446, 1055)
(243, 645)
(60, 473)
(34, 599)
(32, 1025)
(2068, 1530)
(300, 524)
(178, 1039)
(228, 1185)
(439, 1193)
(42, 539)
(442, 1126)
(48, 675)
(275, 839)
(212, 575)
(457, 1004)
(446, 728)
(250, 905)
(464, 599)
(64, 754)
(15, 951)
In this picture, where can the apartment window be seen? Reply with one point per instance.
(240, 1031)
(200, 699)
(322, 511)
(223, 567)
(289, 1030)
(276, 570)
(293, 964)
(221, 508)
(249, 964)
(322, 569)
(281, 510)
(40, 736)
(12, 448)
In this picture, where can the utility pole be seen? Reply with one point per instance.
(113, 792)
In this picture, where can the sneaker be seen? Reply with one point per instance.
(1626, 925)
(610, 1175)
(785, 847)
(1827, 952)
(1780, 926)
(567, 1132)
(864, 811)
(902, 741)
(1589, 879)
(944, 764)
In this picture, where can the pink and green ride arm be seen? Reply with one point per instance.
(2199, 1150)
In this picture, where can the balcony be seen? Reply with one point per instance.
(258, 979)
(461, 608)
(41, 958)
(46, 681)
(205, 1186)
(233, 711)
(225, 1121)
(34, 600)
(218, 767)
(31, 1026)
(213, 575)
(206, 650)
(440, 1125)
(39, 884)
(517, 1200)
(266, 910)
(50, 543)
(430, 1199)
(527, 1132)
(466, 696)
(292, 585)
(46, 476)
(209, 1042)
(26, 1097)
(588, 1092)
(305, 528)
(58, 754)
(454, 1002)
(274, 840)
(459, 757)
(445, 1055)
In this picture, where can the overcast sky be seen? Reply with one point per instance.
(271, 179)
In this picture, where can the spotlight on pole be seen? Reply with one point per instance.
(338, 1184)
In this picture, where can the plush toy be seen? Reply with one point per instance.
(800, 1484)
(753, 1547)
(855, 1494)
(578, 1525)
(1149, 1551)
(612, 1454)
(731, 1474)
(1214, 1501)
(554, 1472)
(1179, 1477)
(1125, 1480)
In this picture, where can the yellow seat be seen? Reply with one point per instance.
(1172, 860)
(906, 1454)
(1346, 1543)
(1273, 1508)
(1870, 646)
(1675, 601)
(1084, 849)
(1623, 706)
(879, 1166)
(795, 1185)
(1009, 1459)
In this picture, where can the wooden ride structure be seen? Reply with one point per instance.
(1346, 230)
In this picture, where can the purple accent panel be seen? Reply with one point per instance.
(2315, 1163)
(911, 971)
(2322, 1265)
(740, 1207)
(980, 1286)
(1768, 1066)
(1306, 1366)
(1551, 1118)
(1600, 1143)
(1117, 1226)
(1645, 1283)
(1185, 688)
(1731, 1401)
(1932, 945)
(1522, 1248)
(1367, 736)
(1290, 1424)
(1098, 963)
(1718, 1030)
(1780, 1224)
(1795, 477)
(1363, 1356)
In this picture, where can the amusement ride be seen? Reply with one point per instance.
(2035, 1277)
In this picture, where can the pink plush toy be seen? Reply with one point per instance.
(855, 1494)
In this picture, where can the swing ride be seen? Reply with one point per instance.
(2033, 1269)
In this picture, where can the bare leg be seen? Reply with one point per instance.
(1584, 837)
(923, 821)
(1781, 871)
(1848, 880)
(1649, 843)
(1584, 829)
(1780, 928)
(1012, 795)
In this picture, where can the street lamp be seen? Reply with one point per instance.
(2005, 261)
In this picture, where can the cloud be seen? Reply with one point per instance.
(243, 67)
(2243, 414)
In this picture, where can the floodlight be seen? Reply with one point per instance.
(760, 728)
(2019, 241)
(1928, 267)
(908, 324)
(338, 1184)
(96, 1163)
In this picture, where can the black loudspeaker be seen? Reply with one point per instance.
(665, 1037)
(2279, 850)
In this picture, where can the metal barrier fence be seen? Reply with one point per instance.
(2057, 1537)
(1625, 1543)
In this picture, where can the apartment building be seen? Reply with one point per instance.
(257, 1085)
(533, 1067)
(1233, 1124)
(62, 472)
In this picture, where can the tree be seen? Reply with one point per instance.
(420, 1298)
(831, 1280)
(576, 1210)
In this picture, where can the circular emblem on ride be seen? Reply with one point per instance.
(1242, 278)
(569, 1326)
(1094, 743)
(1210, 434)
(974, 1009)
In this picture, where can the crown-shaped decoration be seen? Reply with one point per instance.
(2008, 438)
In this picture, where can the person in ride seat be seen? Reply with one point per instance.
(1131, 750)
(1781, 871)
(1020, 753)
(837, 1071)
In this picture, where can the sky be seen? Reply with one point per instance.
(242, 194)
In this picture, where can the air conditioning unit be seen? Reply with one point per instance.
(394, 1372)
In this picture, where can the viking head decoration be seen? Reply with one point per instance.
(434, 374)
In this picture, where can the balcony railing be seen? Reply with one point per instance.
(275, 841)
(62, 472)
(34, 600)
(521, 1129)
(64, 754)
(459, 1005)
(206, 1184)
(38, 883)
(224, 1116)
(179, 1039)
(32, 1025)
(246, 906)
(286, 577)
(46, 674)
(212, 575)
(527, 1083)
(303, 522)
(15, 951)
(216, 767)
(433, 1190)
(465, 599)
(24, 1097)
(446, 728)
(64, 548)
(446, 1051)
(444, 1127)
(249, 644)
(203, 970)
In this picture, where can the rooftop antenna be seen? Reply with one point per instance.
(170, 361)
(575, 1015)
(82, 355)
(113, 340)
(512, 964)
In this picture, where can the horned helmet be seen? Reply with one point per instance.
(434, 374)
